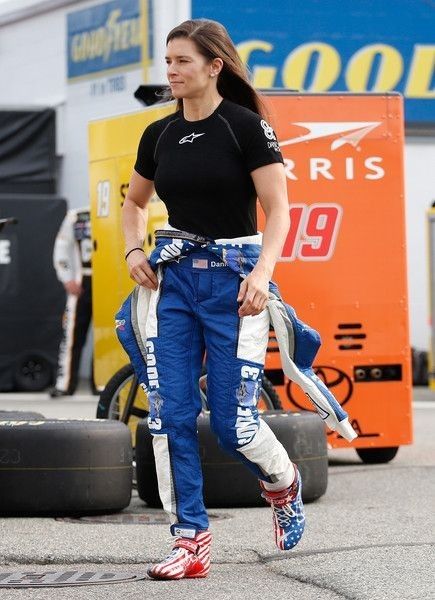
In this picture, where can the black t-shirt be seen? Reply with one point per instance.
(201, 169)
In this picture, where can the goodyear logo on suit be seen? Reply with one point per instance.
(104, 37)
(358, 46)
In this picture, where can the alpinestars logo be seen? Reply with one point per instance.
(354, 130)
(190, 138)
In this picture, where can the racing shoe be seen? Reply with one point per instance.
(288, 513)
(189, 558)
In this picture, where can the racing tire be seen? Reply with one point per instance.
(17, 415)
(228, 483)
(32, 373)
(106, 404)
(64, 467)
(377, 456)
(269, 395)
(108, 407)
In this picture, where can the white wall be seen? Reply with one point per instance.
(420, 193)
(32, 61)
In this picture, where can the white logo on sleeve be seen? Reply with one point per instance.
(268, 131)
(189, 138)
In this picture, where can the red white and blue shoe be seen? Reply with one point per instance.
(288, 513)
(190, 558)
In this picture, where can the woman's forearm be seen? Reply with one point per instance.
(134, 224)
(274, 236)
(271, 186)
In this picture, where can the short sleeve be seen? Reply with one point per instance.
(145, 164)
(259, 144)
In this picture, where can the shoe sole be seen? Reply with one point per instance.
(163, 578)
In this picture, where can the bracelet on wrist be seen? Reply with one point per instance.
(132, 250)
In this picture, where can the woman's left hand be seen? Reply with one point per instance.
(254, 293)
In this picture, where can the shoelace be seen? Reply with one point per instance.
(286, 513)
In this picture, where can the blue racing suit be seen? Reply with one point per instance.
(165, 334)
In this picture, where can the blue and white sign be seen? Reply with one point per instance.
(104, 37)
(336, 45)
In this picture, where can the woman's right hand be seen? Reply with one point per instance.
(140, 270)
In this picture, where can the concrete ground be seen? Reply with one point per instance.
(371, 537)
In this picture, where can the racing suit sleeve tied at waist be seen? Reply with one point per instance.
(298, 342)
(298, 345)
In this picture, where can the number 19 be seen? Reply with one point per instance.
(313, 232)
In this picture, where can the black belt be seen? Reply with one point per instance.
(182, 235)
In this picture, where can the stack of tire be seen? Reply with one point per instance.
(227, 482)
(302, 434)
(63, 467)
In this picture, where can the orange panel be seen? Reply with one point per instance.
(344, 262)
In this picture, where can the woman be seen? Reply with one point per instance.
(209, 161)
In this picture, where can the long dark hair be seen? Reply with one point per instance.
(212, 41)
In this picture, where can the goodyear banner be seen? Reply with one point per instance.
(358, 46)
(107, 36)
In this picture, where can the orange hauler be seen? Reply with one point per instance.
(343, 267)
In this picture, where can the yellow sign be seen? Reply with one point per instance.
(113, 146)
